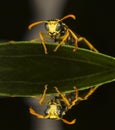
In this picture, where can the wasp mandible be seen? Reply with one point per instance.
(61, 33)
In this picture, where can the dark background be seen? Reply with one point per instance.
(95, 21)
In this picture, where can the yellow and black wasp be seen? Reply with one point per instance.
(58, 105)
(61, 33)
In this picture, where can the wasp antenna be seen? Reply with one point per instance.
(69, 122)
(34, 24)
(36, 114)
(68, 16)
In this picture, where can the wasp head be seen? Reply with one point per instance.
(53, 27)
(53, 110)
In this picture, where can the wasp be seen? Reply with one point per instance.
(57, 30)
(60, 104)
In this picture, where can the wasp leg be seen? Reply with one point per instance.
(76, 39)
(38, 39)
(63, 96)
(41, 100)
(91, 91)
(43, 42)
(88, 43)
(62, 42)
(43, 95)
(77, 98)
(82, 39)
(11, 41)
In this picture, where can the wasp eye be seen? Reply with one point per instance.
(46, 26)
(47, 110)
(58, 27)
(59, 110)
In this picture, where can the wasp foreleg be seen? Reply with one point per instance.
(43, 42)
(76, 39)
(63, 96)
(62, 42)
(43, 95)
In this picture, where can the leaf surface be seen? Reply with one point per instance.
(25, 69)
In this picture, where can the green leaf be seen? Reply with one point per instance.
(25, 69)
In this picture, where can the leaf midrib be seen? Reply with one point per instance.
(57, 57)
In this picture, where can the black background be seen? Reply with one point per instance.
(95, 21)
